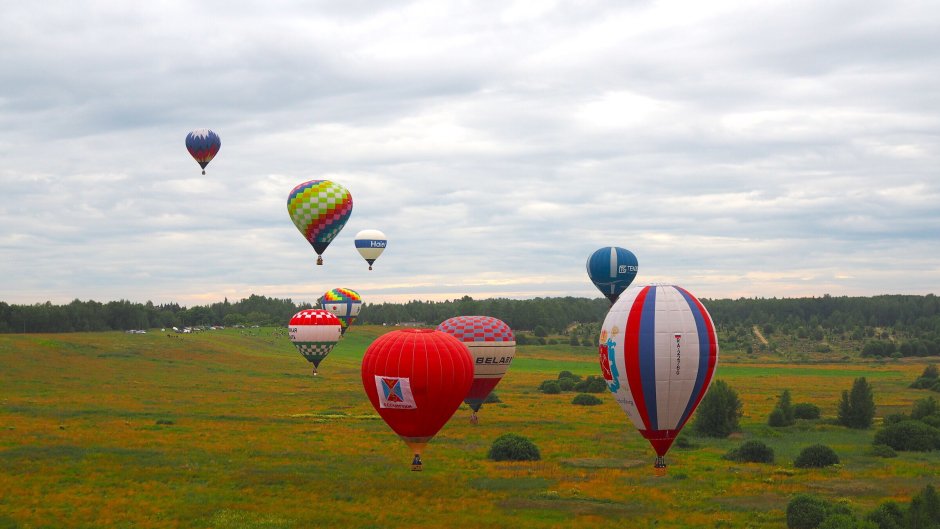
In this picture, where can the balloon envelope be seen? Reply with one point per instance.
(203, 145)
(612, 269)
(370, 244)
(314, 332)
(344, 303)
(658, 352)
(415, 380)
(319, 209)
(492, 346)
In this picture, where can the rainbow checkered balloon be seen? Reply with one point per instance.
(319, 209)
(344, 303)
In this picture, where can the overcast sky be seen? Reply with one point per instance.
(737, 148)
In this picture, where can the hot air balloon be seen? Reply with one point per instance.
(416, 379)
(658, 352)
(319, 209)
(314, 333)
(371, 244)
(203, 145)
(344, 303)
(492, 346)
(612, 269)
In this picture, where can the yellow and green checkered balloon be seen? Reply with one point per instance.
(319, 209)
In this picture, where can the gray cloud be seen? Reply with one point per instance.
(737, 149)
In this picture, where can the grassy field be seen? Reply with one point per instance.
(227, 429)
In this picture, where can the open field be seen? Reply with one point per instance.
(227, 429)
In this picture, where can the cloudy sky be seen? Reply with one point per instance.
(737, 148)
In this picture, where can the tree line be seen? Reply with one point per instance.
(811, 318)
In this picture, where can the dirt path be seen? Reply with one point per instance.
(759, 335)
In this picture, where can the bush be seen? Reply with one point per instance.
(805, 410)
(839, 521)
(566, 384)
(591, 384)
(914, 436)
(550, 387)
(568, 375)
(512, 447)
(777, 418)
(895, 418)
(857, 408)
(586, 399)
(931, 371)
(882, 451)
(806, 512)
(816, 456)
(923, 408)
(492, 398)
(718, 413)
(683, 442)
(888, 515)
(923, 383)
(752, 451)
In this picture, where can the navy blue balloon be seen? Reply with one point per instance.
(612, 269)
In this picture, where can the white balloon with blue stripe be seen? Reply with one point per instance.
(371, 244)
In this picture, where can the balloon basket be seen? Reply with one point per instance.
(474, 419)
(370, 267)
(659, 468)
(416, 463)
(203, 171)
(319, 260)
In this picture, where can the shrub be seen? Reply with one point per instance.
(806, 512)
(550, 387)
(512, 447)
(882, 451)
(683, 442)
(857, 408)
(895, 418)
(888, 515)
(923, 408)
(777, 418)
(718, 413)
(492, 398)
(816, 456)
(914, 436)
(586, 399)
(566, 384)
(839, 521)
(752, 451)
(805, 410)
(591, 384)
(923, 383)
(931, 371)
(568, 375)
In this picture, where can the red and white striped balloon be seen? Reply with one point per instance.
(658, 351)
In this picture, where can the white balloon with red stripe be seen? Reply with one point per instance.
(314, 332)
(658, 352)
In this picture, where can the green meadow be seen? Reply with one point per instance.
(228, 429)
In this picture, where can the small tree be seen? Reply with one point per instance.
(857, 408)
(718, 413)
(783, 414)
(888, 515)
(512, 447)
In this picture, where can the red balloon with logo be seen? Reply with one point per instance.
(416, 380)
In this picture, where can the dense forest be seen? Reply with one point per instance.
(887, 325)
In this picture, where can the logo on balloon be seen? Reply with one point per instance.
(395, 393)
